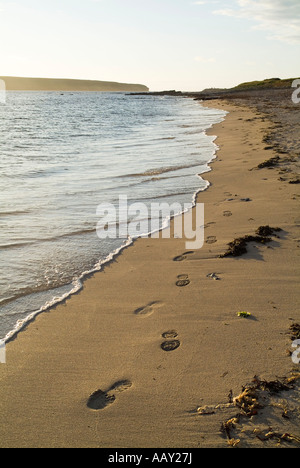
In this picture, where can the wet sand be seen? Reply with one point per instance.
(128, 361)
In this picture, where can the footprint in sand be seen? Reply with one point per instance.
(227, 213)
(211, 239)
(207, 225)
(171, 344)
(170, 334)
(100, 400)
(182, 280)
(182, 257)
(148, 309)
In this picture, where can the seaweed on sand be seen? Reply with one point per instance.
(294, 331)
(272, 162)
(266, 231)
(251, 400)
(255, 399)
(238, 246)
(296, 181)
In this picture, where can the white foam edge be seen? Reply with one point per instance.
(78, 282)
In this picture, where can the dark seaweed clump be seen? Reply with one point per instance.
(295, 331)
(266, 231)
(238, 246)
(269, 162)
(296, 181)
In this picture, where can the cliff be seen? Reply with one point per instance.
(51, 84)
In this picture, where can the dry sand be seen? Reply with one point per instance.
(107, 339)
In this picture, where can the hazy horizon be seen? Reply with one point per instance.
(31, 83)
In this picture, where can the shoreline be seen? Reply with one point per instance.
(98, 340)
(78, 282)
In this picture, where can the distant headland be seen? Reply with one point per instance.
(275, 86)
(54, 84)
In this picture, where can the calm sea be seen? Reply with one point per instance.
(63, 154)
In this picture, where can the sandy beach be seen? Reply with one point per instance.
(152, 352)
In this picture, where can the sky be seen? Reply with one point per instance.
(165, 44)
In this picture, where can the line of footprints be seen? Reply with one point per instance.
(102, 399)
(171, 342)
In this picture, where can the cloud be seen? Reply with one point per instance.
(281, 18)
(204, 59)
(206, 2)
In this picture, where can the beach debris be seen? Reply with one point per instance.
(227, 427)
(272, 162)
(211, 409)
(279, 436)
(249, 404)
(254, 397)
(293, 379)
(296, 181)
(244, 314)
(213, 276)
(266, 231)
(246, 199)
(247, 401)
(233, 442)
(238, 246)
(268, 138)
(294, 331)
(204, 410)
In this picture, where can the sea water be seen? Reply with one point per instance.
(63, 154)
